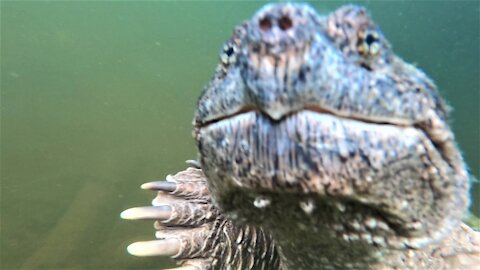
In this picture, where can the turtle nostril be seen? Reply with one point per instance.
(265, 24)
(285, 23)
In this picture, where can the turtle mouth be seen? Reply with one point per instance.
(387, 167)
(309, 137)
(318, 112)
(401, 122)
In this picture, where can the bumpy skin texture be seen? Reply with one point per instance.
(208, 239)
(313, 130)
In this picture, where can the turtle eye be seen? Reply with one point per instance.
(228, 54)
(265, 24)
(229, 51)
(369, 43)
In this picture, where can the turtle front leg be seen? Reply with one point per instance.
(193, 231)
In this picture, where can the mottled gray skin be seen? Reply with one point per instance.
(315, 131)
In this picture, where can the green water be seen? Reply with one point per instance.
(98, 97)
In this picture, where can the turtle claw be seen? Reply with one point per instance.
(162, 212)
(160, 186)
(192, 231)
(187, 267)
(184, 217)
(165, 247)
(194, 163)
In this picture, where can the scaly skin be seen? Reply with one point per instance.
(321, 149)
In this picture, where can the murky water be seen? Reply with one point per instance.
(98, 97)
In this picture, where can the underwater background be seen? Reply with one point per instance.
(97, 97)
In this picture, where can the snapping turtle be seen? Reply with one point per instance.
(319, 149)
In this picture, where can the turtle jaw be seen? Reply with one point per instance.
(390, 174)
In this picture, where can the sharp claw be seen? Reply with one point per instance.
(162, 212)
(194, 163)
(166, 247)
(187, 267)
(160, 185)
